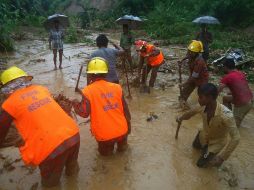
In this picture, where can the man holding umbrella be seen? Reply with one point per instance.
(55, 25)
(126, 42)
(128, 22)
(204, 36)
(56, 43)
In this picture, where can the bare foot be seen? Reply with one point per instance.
(55, 68)
(60, 67)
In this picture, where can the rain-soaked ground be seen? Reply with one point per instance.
(154, 160)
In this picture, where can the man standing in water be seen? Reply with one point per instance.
(105, 103)
(50, 137)
(126, 42)
(218, 124)
(198, 70)
(110, 55)
(206, 38)
(241, 95)
(153, 59)
(56, 36)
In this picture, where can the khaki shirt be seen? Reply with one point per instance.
(216, 133)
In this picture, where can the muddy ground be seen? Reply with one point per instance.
(155, 160)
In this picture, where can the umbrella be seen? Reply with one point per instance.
(63, 21)
(206, 20)
(130, 20)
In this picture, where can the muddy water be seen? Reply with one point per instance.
(155, 160)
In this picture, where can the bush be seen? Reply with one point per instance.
(71, 35)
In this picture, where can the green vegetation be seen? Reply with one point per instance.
(166, 19)
(15, 13)
(169, 20)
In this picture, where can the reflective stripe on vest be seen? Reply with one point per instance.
(40, 121)
(155, 60)
(107, 114)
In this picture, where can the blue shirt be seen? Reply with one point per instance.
(110, 55)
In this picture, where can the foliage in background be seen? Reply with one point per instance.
(15, 13)
(167, 19)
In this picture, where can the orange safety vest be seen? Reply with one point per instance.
(107, 114)
(41, 122)
(153, 60)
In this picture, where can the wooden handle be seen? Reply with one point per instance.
(180, 76)
(127, 79)
(80, 71)
(177, 130)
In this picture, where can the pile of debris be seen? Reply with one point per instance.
(65, 103)
(12, 138)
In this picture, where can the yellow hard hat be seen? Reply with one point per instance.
(13, 73)
(97, 65)
(196, 46)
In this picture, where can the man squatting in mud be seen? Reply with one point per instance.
(218, 124)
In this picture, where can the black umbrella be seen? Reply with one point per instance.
(130, 20)
(206, 20)
(63, 21)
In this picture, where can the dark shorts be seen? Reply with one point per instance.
(51, 169)
(106, 148)
(187, 90)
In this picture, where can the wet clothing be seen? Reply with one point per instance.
(107, 147)
(51, 169)
(198, 71)
(187, 90)
(152, 63)
(205, 156)
(128, 57)
(126, 41)
(5, 123)
(205, 38)
(236, 81)
(108, 120)
(152, 60)
(110, 55)
(215, 133)
(241, 111)
(145, 72)
(29, 107)
(56, 39)
(9, 88)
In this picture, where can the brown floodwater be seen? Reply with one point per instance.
(154, 160)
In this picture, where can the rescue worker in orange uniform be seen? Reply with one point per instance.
(108, 110)
(198, 70)
(154, 59)
(50, 137)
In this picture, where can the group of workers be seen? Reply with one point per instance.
(54, 145)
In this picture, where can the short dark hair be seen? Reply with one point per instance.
(102, 40)
(229, 63)
(208, 89)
